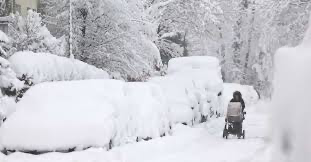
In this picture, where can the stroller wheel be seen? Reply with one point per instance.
(243, 134)
(225, 133)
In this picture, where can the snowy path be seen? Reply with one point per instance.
(185, 145)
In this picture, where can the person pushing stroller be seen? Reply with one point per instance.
(237, 97)
(235, 116)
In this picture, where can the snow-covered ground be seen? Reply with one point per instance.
(202, 143)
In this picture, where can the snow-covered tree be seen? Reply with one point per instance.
(9, 84)
(112, 35)
(184, 27)
(126, 36)
(29, 34)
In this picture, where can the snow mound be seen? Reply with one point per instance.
(178, 98)
(144, 115)
(80, 114)
(192, 88)
(44, 67)
(249, 94)
(291, 104)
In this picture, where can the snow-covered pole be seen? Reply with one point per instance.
(70, 30)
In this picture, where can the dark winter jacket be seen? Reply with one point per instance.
(239, 100)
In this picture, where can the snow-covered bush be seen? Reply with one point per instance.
(249, 94)
(9, 83)
(44, 67)
(291, 103)
(192, 87)
(29, 34)
(7, 106)
(170, 46)
(8, 80)
(81, 114)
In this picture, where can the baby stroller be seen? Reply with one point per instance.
(234, 121)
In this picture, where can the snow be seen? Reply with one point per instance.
(194, 62)
(81, 114)
(7, 106)
(177, 98)
(8, 77)
(191, 88)
(291, 103)
(185, 144)
(4, 37)
(145, 112)
(249, 94)
(44, 67)
(169, 35)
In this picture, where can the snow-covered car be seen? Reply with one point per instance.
(193, 89)
(64, 116)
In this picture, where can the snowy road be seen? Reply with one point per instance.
(186, 144)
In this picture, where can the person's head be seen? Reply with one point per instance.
(237, 95)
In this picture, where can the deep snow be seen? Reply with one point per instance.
(202, 143)
(45, 67)
(192, 88)
(81, 114)
(291, 103)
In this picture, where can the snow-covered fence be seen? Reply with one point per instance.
(80, 114)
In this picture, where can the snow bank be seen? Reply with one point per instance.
(291, 102)
(192, 87)
(80, 114)
(249, 94)
(44, 67)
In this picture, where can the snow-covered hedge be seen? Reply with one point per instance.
(291, 103)
(80, 114)
(192, 88)
(44, 67)
(249, 94)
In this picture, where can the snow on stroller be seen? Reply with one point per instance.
(234, 121)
